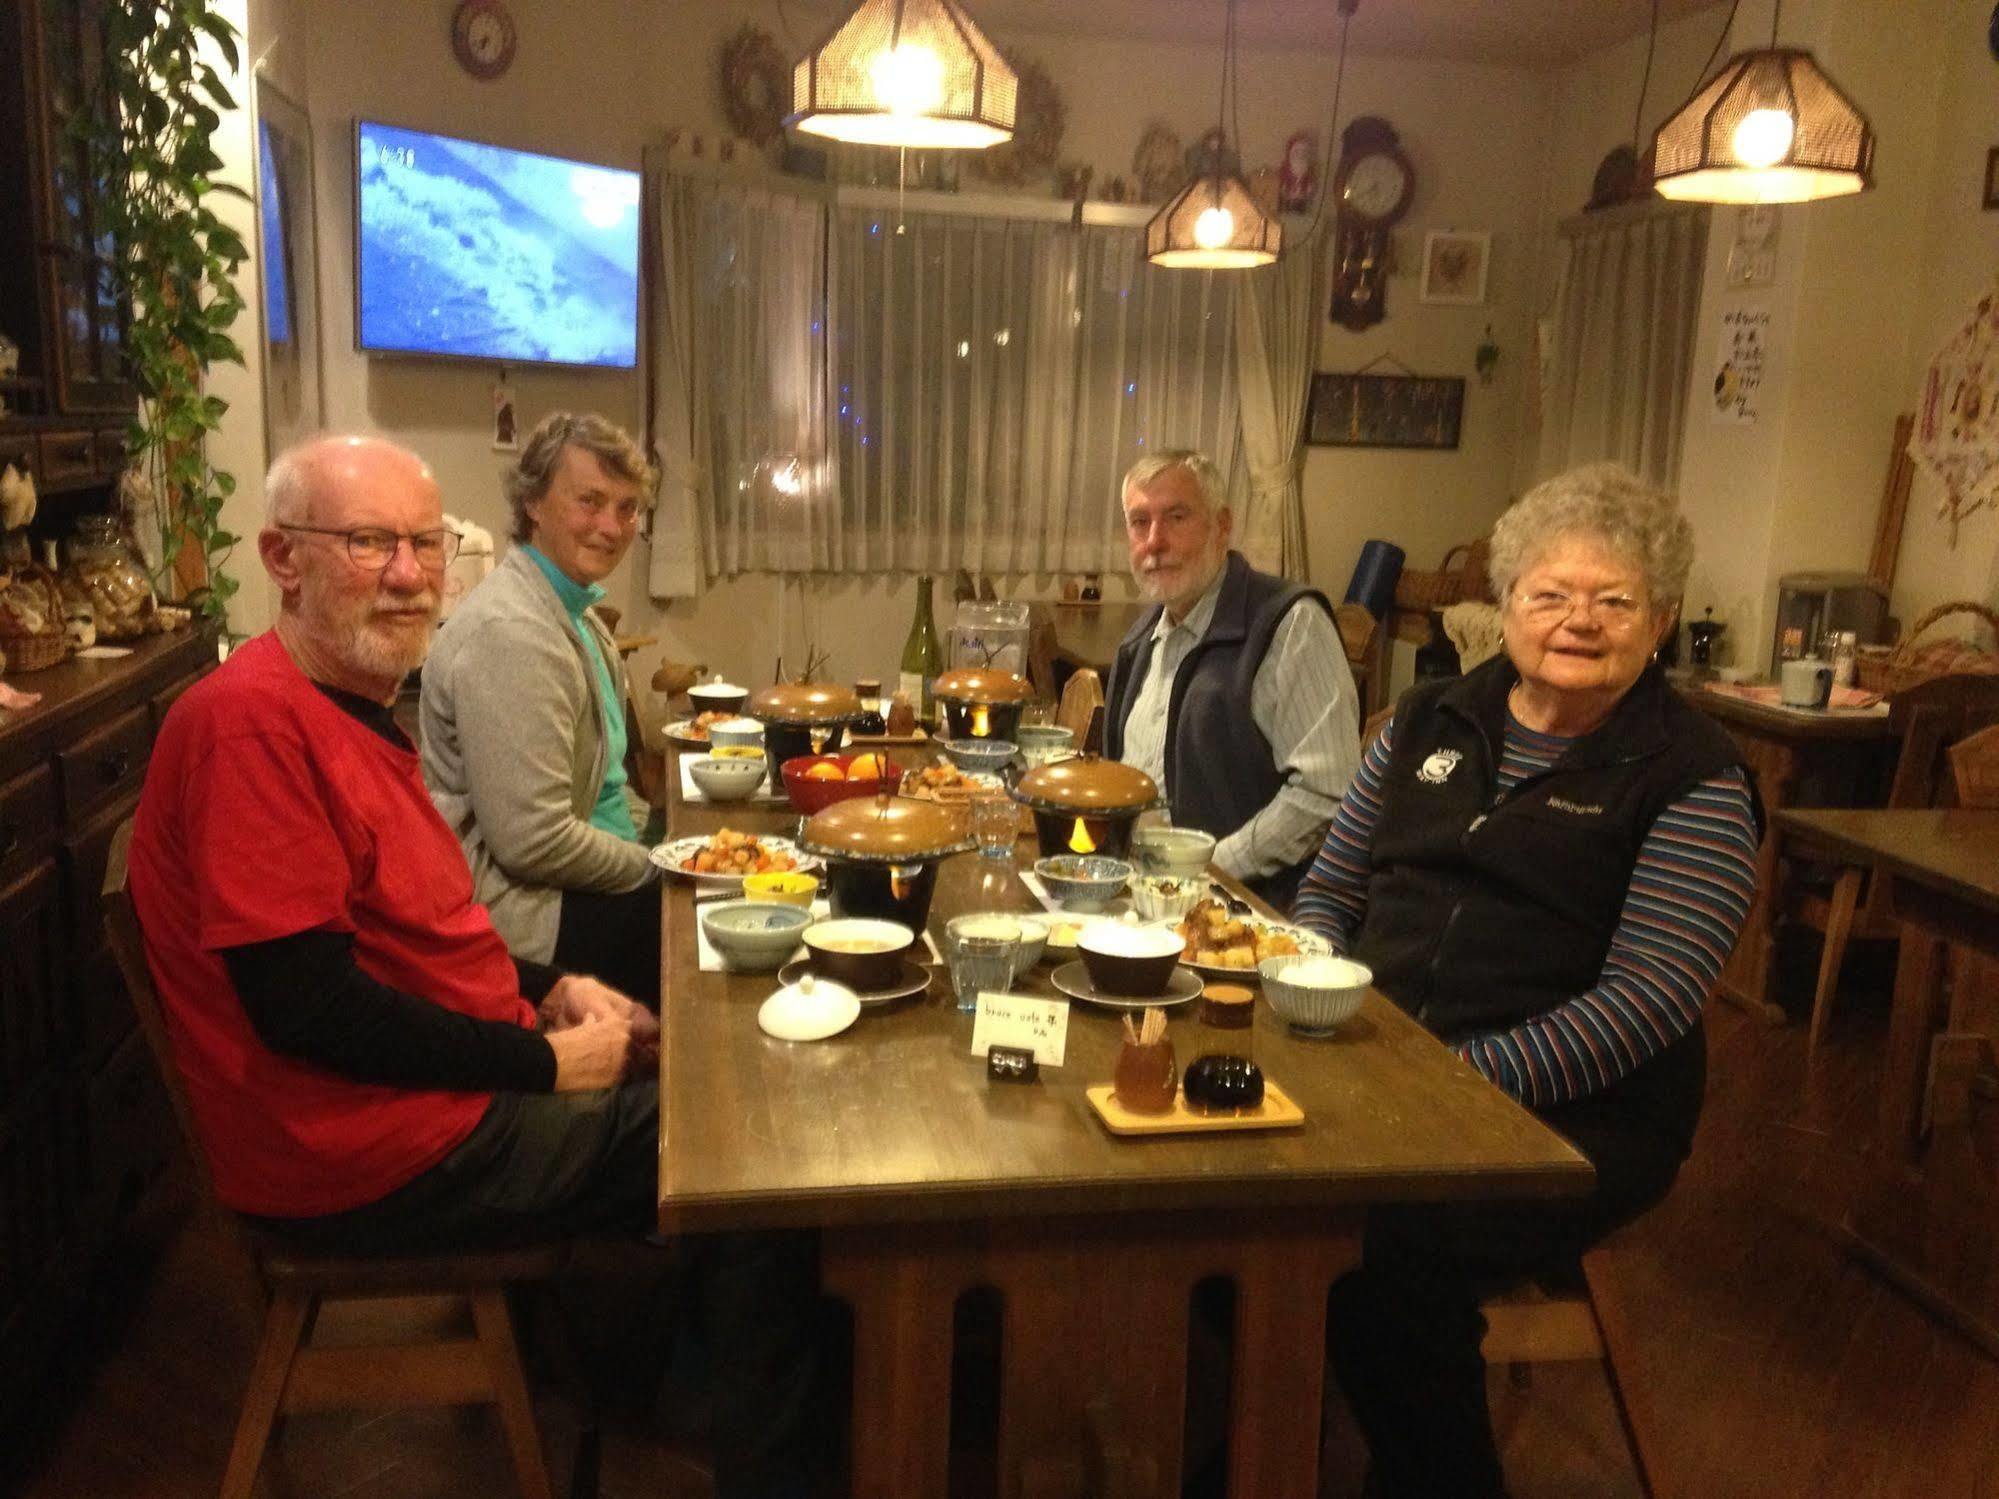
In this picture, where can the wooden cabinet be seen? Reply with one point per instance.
(86, 1133)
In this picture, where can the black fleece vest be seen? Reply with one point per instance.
(1484, 910)
(1219, 767)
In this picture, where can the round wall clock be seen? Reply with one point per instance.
(1376, 185)
(482, 37)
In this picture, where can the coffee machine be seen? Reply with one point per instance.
(1810, 604)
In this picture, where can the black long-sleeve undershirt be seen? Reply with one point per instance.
(309, 1000)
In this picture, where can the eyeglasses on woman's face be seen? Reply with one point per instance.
(1614, 610)
(372, 548)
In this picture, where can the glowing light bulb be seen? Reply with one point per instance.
(1763, 137)
(908, 80)
(1214, 228)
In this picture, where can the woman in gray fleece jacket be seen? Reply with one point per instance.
(523, 721)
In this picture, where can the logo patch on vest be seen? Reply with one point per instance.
(1437, 769)
(1578, 809)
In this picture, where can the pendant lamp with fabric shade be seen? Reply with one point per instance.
(913, 73)
(1213, 223)
(1770, 127)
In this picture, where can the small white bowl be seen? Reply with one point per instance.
(1166, 897)
(754, 936)
(1311, 1007)
(1172, 851)
(736, 731)
(725, 780)
(1033, 941)
(718, 697)
(1082, 882)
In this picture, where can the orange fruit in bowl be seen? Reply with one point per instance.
(825, 770)
(867, 768)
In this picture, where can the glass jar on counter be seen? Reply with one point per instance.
(105, 571)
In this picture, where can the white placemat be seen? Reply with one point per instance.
(711, 961)
(689, 792)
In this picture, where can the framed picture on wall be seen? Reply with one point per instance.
(1992, 169)
(1454, 267)
(288, 271)
(1385, 411)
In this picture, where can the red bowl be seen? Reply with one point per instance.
(809, 795)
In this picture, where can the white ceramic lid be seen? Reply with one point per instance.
(810, 1010)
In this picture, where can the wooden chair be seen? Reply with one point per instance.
(1534, 1326)
(1081, 710)
(290, 1373)
(1929, 719)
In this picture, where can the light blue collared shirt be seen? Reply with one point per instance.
(612, 813)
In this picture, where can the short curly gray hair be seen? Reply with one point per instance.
(1610, 503)
(529, 477)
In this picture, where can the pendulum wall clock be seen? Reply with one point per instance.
(1371, 193)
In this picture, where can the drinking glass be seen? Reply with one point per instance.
(981, 950)
(995, 824)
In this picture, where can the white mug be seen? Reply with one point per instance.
(1805, 684)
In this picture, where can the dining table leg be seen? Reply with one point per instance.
(1095, 1333)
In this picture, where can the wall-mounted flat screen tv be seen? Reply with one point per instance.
(472, 251)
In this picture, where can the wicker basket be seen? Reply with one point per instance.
(1909, 664)
(34, 652)
(1461, 576)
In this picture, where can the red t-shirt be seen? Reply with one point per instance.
(269, 811)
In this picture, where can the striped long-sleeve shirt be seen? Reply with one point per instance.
(1689, 895)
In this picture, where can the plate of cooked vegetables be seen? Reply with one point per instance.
(724, 857)
(692, 733)
(944, 782)
(1220, 941)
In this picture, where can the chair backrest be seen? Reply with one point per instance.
(1974, 768)
(1928, 719)
(128, 948)
(1082, 696)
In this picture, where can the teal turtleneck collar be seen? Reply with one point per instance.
(575, 596)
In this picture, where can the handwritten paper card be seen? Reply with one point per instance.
(1037, 1025)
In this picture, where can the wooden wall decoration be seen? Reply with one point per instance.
(1364, 410)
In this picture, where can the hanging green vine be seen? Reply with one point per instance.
(149, 143)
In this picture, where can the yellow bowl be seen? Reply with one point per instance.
(786, 886)
(735, 752)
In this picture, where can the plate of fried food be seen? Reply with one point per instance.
(724, 857)
(944, 782)
(693, 732)
(1221, 942)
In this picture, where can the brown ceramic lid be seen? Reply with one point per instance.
(982, 684)
(886, 829)
(1087, 783)
(804, 703)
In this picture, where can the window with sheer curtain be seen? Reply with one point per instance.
(1617, 350)
(851, 390)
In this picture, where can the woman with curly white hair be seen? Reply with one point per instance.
(1546, 863)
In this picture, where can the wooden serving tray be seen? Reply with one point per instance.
(1277, 1111)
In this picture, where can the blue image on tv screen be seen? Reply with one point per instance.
(277, 248)
(487, 253)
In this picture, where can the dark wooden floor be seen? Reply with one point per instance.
(1777, 1366)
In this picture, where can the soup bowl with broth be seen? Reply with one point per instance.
(859, 952)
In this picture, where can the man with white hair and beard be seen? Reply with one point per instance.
(370, 1071)
(1233, 694)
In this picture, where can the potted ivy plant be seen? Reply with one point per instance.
(149, 139)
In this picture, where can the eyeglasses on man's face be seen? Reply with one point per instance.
(372, 548)
(1618, 609)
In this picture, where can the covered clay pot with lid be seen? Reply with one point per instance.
(802, 718)
(1086, 805)
(981, 702)
(882, 854)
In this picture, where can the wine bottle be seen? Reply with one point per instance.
(922, 658)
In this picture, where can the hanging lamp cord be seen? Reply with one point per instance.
(1347, 8)
(1645, 83)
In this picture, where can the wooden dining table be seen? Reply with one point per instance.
(1943, 872)
(928, 1182)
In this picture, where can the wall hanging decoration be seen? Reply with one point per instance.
(1298, 177)
(905, 73)
(1158, 163)
(1040, 117)
(1770, 127)
(1387, 410)
(1213, 223)
(1992, 178)
(756, 84)
(1454, 267)
(1957, 417)
(287, 256)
